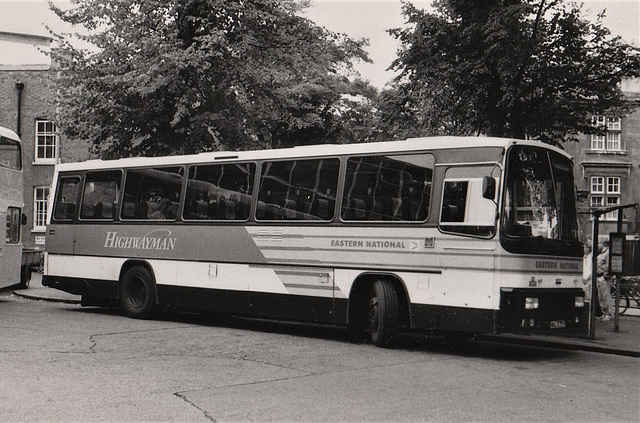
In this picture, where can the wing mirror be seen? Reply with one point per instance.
(489, 188)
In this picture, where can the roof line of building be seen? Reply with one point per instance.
(25, 35)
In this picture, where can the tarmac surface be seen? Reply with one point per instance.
(625, 341)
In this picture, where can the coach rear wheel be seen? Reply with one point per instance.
(383, 313)
(138, 293)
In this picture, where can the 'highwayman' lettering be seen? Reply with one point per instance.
(154, 240)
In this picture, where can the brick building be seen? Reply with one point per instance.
(607, 169)
(28, 107)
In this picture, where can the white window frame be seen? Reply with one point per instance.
(605, 191)
(613, 141)
(597, 201)
(614, 124)
(612, 201)
(599, 120)
(40, 207)
(46, 140)
(613, 185)
(597, 185)
(597, 142)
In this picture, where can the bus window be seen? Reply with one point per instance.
(219, 192)
(65, 205)
(539, 201)
(465, 209)
(388, 188)
(100, 196)
(454, 202)
(298, 190)
(10, 154)
(13, 225)
(152, 193)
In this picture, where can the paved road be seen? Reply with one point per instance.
(60, 362)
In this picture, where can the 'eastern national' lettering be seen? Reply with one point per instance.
(370, 244)
(555, 265)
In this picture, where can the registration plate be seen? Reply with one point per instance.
(558, 324)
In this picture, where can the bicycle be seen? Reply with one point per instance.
(629, 293)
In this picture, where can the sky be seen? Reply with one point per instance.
(371, 18)
(356, 18)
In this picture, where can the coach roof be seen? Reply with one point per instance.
(404, 146)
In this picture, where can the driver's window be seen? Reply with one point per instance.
(464, 208)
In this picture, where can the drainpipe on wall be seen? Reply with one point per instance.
(19, 87)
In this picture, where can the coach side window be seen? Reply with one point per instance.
(10, 154)
(152, 193)
(100, 195)
(219, 192)
(388, 188)
(465, 210)
(66, 199)
(298, 190)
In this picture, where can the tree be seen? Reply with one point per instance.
(513, 68)
(180, 76)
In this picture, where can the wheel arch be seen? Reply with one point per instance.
(358, 295)
(130, 264)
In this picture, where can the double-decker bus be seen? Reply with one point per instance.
(445, 234)
(11, 201)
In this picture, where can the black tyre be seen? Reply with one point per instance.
(138, 293)
(383, 312)
(623, 302)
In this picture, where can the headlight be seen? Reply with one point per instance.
(579, 302)
(531, 303)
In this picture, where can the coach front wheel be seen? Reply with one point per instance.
(383, 313)
(138, 293)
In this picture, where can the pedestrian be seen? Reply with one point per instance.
(586, 268)
(604, 282)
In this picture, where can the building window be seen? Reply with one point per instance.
(46, 143)
(40, 208)
(597, 142)
(611, 202)
(597, 185)
(613, 124)
(597, 201)
(605, 192)
(613, 186)
(611, 139)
